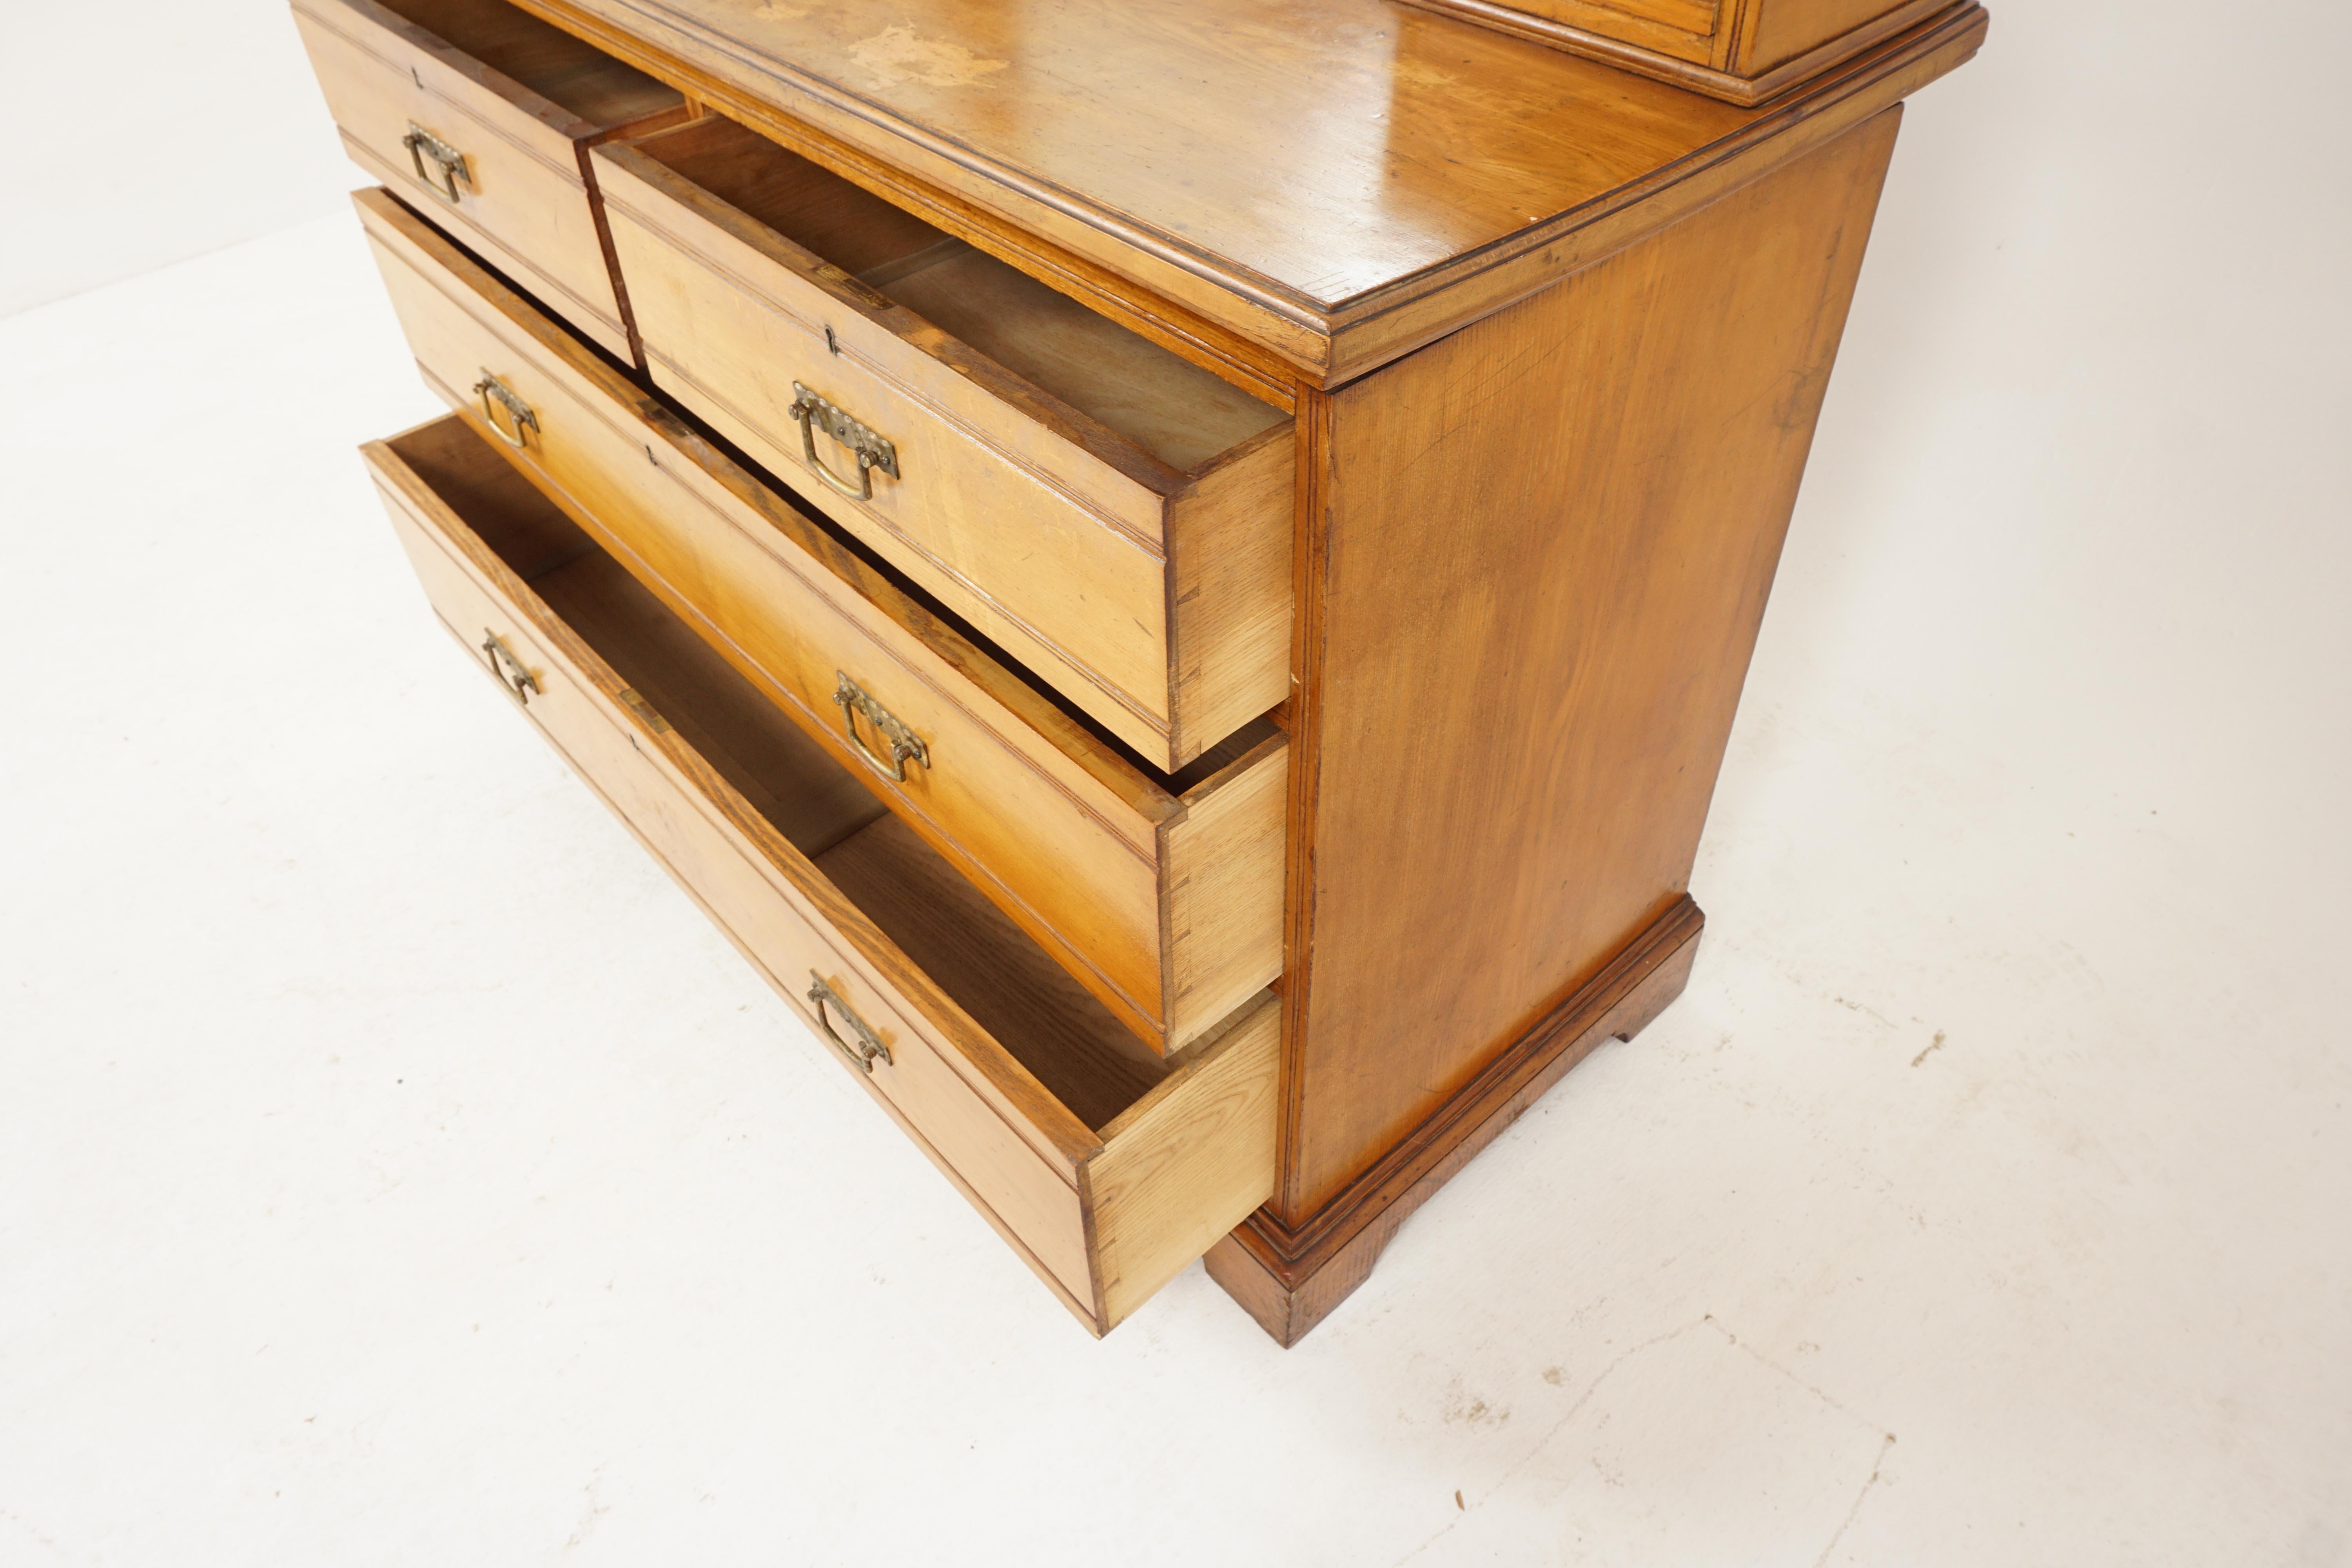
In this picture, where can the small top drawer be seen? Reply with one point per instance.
(1115, 517)
(483, 113)
(1107, 1169)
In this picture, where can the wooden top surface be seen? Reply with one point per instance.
(1283, 166)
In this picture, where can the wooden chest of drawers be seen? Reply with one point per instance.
(1194, 655)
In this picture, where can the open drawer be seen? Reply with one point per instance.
(1115, 517)
(484, 113)
(1106, 1167)
(1162, 893)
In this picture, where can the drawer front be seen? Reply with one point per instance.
(1055, 554)
(1104, 1219)
(521, 197)
(1681, 27)
(1100, 876)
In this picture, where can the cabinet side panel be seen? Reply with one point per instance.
(1551, 537)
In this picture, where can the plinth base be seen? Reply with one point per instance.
(1290, 1281)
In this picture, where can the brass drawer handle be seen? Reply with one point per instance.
(869, 1044)
(809, 411)
(906, 746)
(510, 671)
(490, 386)
(423, 145)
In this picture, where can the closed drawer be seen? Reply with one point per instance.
(1679, 27)
(1161, 893)
(1105, 1167)
(484, 114)
(1115, 518)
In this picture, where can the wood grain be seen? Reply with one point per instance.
(567, 72)
(1523, 727)
(786, 776)
(1228, 587)
(1222, 858)
(1414, 152)
(919, 958)
(1681, 30)
(1076, 1047)
(1041, 499)
(760, 886)
(1775, 32)
(1553, 339)
(1162, 402)
(1060, 831)
(673, 672)
(1186, 1163)
(1733, 61)
(521, 100)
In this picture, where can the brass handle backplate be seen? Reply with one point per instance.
(810, 411)
(490, 387)
(869, 1044)
(512, 673)
(906, 746)
(423, 145)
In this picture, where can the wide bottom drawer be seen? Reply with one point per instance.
(1108, 1168)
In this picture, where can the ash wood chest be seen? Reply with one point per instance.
(1176, 577)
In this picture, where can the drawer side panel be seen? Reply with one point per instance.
(1187, 1163)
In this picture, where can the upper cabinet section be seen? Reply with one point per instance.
(1332, 182)
(482, 114)
(1741, 51)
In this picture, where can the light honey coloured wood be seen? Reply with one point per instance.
(1107, 1202)
(1541, 342)
(1162, 893)
(1742, 51)
(487, 112)
(1298, 172)
(1113, 516)
(1525, 727)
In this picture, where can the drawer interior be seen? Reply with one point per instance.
(546, 60)
(1073, 1046)
(1171, 408)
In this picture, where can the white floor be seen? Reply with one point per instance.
(394, 1169)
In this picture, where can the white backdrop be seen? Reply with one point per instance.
(393, 1167)
(151, 130)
